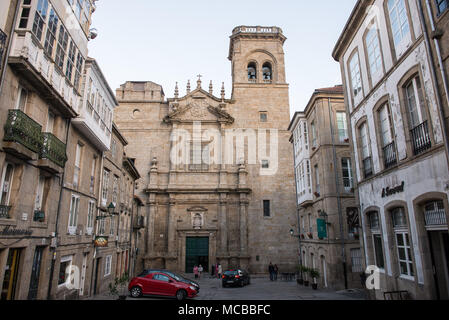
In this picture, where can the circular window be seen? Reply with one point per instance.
(136, 114)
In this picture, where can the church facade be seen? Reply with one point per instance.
(220, 183)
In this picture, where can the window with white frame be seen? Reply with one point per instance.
(365, 150)
(105, 188)
(92, 174)
(373, 50)
(64, 270)
(6, 184)
(342, 126)
(400, 26)
(24, 17)
(61, 47)
(347, 174)
(306, 136)
(385, 125)
(309, 178)
(74, 212)
(52, 28)
(108, 265)
(40, 18)
(22, 99)
(404, 251)
(90, 217)
(70, 60)
(415, 102)
(356, 78)
(112, 226)
(77, 172)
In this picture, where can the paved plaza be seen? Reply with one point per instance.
(261, 288)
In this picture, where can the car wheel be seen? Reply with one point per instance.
(181, 295)
(136, 292)
(249, 281)
(223, 285)
(242, 284)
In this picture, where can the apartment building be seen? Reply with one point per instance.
(328, 223)
(398, 140)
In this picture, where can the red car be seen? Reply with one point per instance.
(161, 284)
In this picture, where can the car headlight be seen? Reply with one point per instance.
(192, 287)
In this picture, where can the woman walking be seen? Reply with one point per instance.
(200, 271)
(195, 271)
(220, 270)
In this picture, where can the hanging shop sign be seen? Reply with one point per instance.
(101, 241)
(387, 192)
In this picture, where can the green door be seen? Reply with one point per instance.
(197, 252)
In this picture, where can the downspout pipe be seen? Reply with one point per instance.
(8, 52)
(340, 213)
(433, 70)
(53, 260)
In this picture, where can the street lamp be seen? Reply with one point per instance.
(292, 233)
(111, 212)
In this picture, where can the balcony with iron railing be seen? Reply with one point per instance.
(367, 167)
(256, 29)
(390, 158)
(53, 149)
(4, 211)
(23, 135)
(435, 218)
(421, 138)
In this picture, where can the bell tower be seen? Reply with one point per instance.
(257, 55)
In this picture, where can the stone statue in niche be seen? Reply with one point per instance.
(197, 221)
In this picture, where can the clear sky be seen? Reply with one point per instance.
(175, 40)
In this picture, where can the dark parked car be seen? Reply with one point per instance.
(172, 274)
(161, 284)
(237, 277)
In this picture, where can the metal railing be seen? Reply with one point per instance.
(53, 149)
(4, 211)
(22, 129)
(435, 218)
(367, 167)
(389, 155)
(421, 138)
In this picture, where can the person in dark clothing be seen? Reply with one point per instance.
(271, 271)
(275, 271)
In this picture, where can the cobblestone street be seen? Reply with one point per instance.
(262, 289)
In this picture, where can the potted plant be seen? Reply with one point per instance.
(300, 279)
(306, 279)
(120, 287)
(315, 275)
(317, 194)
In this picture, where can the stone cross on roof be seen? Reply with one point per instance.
(199, 80)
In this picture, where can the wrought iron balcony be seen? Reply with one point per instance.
(20, 128)
(390, 158)
(53, 149)
(367, 167)
(4, 211)
(421, 138)
(435, 218)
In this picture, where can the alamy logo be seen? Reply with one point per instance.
(373, 279)
(229, 147)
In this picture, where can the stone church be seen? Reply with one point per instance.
(219, 182)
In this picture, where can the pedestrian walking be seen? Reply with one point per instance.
(200, 271)
(220, 271)
(275, 270)
(195, 271)
(271, 271)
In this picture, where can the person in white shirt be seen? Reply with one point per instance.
(220, 271)
(200, 271)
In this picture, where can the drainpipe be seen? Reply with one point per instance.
(433, 69)
(53, 261)
(340, 214)
(13, 28)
